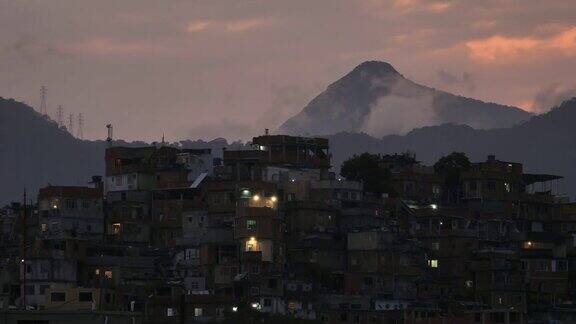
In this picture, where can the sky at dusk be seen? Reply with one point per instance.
(216, 68)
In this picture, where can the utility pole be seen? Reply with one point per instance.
(60, 115)
(80, 133)
(71, 124)
(23, 261)
(43, 98)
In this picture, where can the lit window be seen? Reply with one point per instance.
(116, 228)
(108, 274)
(197, 312)
(469, 283)
(507, 187)
(97, 272)
(170, 312)
(252, 244)
(433, 263)
(250, 224)
(44, 227)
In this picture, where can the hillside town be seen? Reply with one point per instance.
(272, 232)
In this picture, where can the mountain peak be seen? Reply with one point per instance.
(375, 98)
(377, 68)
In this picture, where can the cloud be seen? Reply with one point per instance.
(229, 26)
(386, 7)
(246, 24)
(439, 6)
(197, 26)
(30, 50)
(551, 96)
(465, 81)
(410, 106)
(498, 48)
(107, 46)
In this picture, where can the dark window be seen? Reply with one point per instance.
(70, 203)
(478, 317)
(491, 185)
(58, 297)
(85, 296)
(272, 283)
(30, 290)
(267, 302)
(43, 289)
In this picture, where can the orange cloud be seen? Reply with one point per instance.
(491, 49)
(439, 6)
(231, 26)
(197, 26)
(527, 105)
(565, 41)
(246, 24)
(386, 7)
(500, 48)
(107, 46)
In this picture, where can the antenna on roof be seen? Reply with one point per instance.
(110, 134)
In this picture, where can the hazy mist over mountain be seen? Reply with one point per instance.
(35, 152)
(376, 99)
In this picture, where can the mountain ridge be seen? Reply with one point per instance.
(35, 152)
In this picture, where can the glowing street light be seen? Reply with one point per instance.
(256, 198)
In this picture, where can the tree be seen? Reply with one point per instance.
(369, 169)
(450, 167)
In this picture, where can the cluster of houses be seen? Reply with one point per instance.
(173, 235)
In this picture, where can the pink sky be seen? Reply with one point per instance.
(207, 68)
